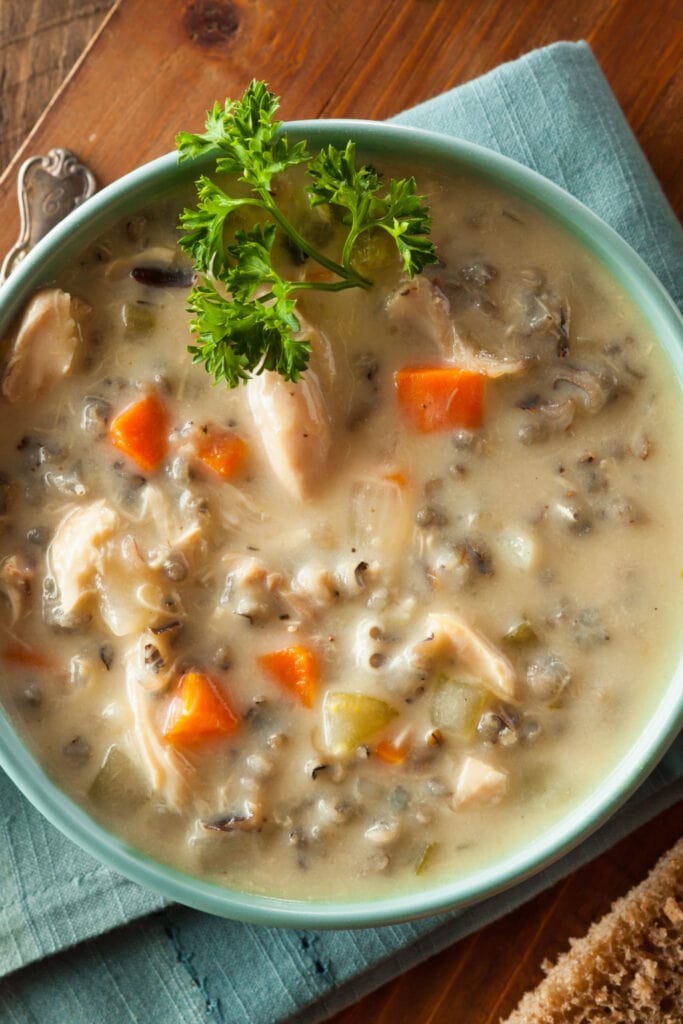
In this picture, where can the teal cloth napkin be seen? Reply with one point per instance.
(80, 944)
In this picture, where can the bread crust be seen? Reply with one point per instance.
(628, 968)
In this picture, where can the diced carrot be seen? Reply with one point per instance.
(21, 654)
(296, 669)
(199, 712)
(314, 272)
(441, 397)
(141, 431)
(223, 452)
(398, 478)
(394, 750)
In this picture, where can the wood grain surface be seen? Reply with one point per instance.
(39, 44)
(154, 67)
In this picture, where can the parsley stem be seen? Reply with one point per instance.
(322, 286)
(348, 245)
(347, 273)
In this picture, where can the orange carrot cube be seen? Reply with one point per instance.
(199, 712)
(435, 398)
(296, 669)
(18, 653)
(394, 750)
(141, 432)
(223, 452)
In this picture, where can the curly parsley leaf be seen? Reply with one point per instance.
(400, 212)
(205, 226)
(253, 268)
(243, 310)
(238, 338)
(247, 137)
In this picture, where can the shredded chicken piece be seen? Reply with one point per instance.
(382, 521)
(449, 633)
(169, 530)
(128, 588)
(16, 582)
(44, 345)
(480, 781)
(422, 307)
(74, 554)
(295, 422)
(167, 770)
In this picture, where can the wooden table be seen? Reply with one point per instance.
(149, 68)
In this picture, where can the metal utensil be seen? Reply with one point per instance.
(49, 187)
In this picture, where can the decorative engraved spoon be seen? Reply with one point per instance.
(48, 187)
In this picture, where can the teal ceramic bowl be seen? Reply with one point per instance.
(162, 177)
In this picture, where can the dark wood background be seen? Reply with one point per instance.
(144, 68)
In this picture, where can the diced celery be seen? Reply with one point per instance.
(137, 318)
(351, 719)
(372, 251)
(317, 226)
(457, 706)
(521, 633)
(426, 859)
(118, 787)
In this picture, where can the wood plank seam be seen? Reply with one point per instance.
(10, 172)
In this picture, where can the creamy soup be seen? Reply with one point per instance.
(362, 633)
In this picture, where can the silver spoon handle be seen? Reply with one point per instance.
(49, 187)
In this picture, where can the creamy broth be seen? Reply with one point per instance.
(484, 614)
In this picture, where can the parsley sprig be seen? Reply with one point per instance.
(244, 312)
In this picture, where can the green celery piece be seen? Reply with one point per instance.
(457, 706)
(351, 719)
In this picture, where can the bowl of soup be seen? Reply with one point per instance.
(367, 646)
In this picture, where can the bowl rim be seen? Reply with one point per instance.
(658, 309)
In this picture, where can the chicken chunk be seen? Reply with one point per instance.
(167, 770)
(382, 521)
(480, 781)
(295, 423)
(74, 554)
(131, 598)
(16, 582)
(448, 633)
(167, 530)
(421, 307)
(44, 345)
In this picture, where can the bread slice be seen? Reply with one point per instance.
(628, 969)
